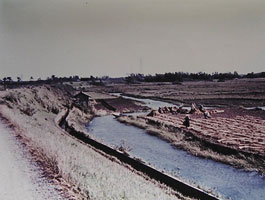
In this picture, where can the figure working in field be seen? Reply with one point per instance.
(202, 109)
(206, 115)
(193, 108)
(186, 121)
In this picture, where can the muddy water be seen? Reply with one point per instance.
(210, 175)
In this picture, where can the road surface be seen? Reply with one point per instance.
(20, 178)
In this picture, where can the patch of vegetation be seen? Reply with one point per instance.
(11, 98)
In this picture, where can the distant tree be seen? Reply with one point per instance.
(31, 78)
(85, 79)
(250, 75)
(4, 80)
(105, 77)
(18, 79)
(236, 75)
(133, 78)
(128, 79)
(76, 78)
(262, 74)
(9, 79)
(215, 75)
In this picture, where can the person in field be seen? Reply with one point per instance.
(186, 121)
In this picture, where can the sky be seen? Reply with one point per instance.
(118, 37)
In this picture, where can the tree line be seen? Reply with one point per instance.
(8, 82)
(179, 77)
(176, 77)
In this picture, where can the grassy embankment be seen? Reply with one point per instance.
(33, 112)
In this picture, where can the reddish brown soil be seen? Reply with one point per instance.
(239, 129)
(122, 105)
(246, 92)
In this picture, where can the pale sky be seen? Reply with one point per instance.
(109, 37)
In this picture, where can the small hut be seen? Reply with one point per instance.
(83, 98)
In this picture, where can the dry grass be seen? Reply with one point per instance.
(93, 173)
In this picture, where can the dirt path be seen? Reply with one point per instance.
(20, 178)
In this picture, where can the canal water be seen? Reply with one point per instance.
(207, 174)
(153, 104)
(259, 107)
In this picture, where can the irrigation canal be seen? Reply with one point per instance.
(212, 176)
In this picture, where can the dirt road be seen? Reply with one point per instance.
(20, 178)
